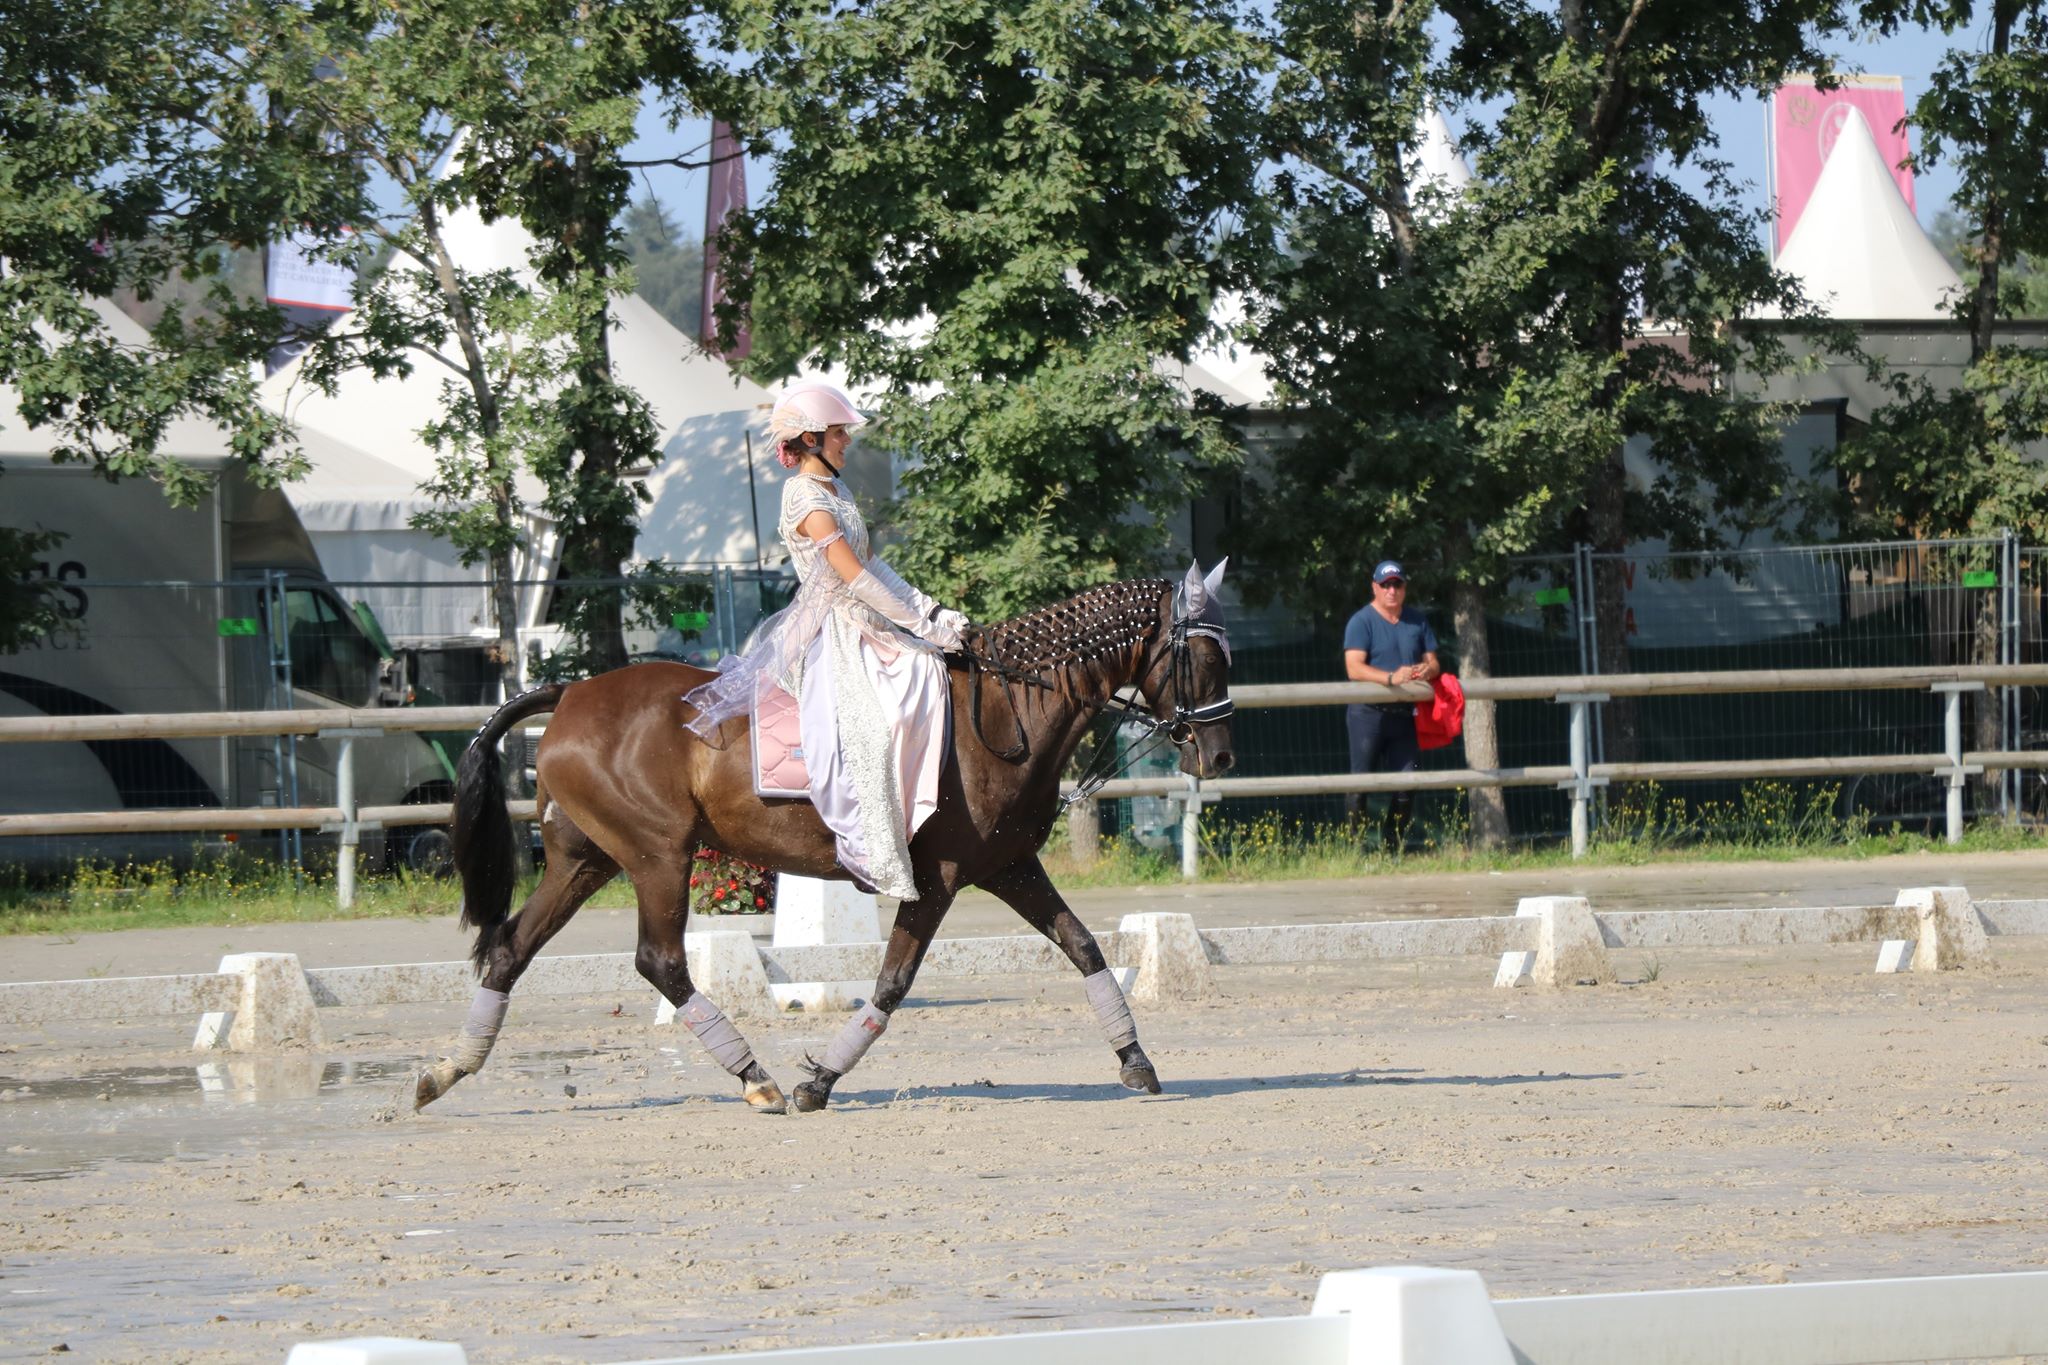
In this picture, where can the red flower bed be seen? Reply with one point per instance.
(724, 885)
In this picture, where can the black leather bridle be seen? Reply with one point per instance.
(1180, 727)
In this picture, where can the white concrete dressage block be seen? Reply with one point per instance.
(2013, 917)
(1172, 962)
(1569, 946)
(1516, 969)
(1950, 935)
(726, 967)
(376, 1351)
(1895, 955)
(1415, 1315)
(274, 1010)
(809, 912)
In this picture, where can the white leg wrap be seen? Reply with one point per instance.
(854, 1039)
(1112, 1011)
(486, 1017)
(717, 1033)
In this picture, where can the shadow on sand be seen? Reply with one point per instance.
(1204, 1089)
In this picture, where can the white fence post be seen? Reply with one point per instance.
(1582, 780)
(276, 1009)
(1952, 745)
(1414, 1315)
(351, 836)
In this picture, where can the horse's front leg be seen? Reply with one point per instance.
(1024, 887)
(917, 923)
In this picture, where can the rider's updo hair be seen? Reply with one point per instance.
(790, 453)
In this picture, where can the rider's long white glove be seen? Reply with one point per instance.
(897, 610)
(953, 622)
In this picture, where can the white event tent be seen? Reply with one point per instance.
(359, 511)
(1858, 250)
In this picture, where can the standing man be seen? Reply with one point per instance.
(1389, 642)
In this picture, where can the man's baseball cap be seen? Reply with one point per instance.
(1389, 568)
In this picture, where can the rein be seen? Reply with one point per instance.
(977, 664)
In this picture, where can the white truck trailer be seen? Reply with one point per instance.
(221, 607)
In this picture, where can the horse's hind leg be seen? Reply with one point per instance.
(1024, 887)
(576, 870)
(663, 893)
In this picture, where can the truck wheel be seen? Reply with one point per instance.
(428, 852)
(423, 850)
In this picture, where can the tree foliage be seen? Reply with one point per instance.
(132, 149)
(1011, 219)
(546, 95)
(1965, 461)
(668, 265)
(1467, 368)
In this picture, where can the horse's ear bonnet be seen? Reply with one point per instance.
(1194, 599)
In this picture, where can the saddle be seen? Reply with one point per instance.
(779, 768)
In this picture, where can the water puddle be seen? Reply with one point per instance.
(55, 1127)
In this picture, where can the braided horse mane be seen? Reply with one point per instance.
(1070, 640)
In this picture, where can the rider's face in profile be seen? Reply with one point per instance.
(837, 438)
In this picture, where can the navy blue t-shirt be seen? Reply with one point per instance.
(1390, 645)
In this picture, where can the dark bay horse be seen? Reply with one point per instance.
(623, 786)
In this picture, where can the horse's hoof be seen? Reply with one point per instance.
(434, 1082)
(765, 1097)
(810, 1096)
(1139, 1075)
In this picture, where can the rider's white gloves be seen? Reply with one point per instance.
(899, 610)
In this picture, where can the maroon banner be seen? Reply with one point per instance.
(728, 195)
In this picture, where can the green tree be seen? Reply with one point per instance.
(1009, 218)
(668, 265)
(546, 94)
(1465, 370)
(129, 154)
(1965, 461)
(176, 134)
(2023, 283)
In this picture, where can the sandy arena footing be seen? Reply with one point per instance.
(600, 1192)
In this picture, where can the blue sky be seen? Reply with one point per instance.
(1910, 54)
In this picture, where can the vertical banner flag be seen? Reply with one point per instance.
(728, 195)
(1805, 121)
(310, 289)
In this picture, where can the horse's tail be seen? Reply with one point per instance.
(483, 831)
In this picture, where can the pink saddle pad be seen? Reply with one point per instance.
(779, 747)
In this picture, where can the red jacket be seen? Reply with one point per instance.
(1442, 720)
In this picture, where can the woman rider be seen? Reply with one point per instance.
(858, 648)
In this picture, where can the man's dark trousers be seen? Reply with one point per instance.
(1383, 741)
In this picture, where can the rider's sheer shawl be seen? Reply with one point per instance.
(775, 652)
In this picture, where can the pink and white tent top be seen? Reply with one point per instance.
(1858, 251)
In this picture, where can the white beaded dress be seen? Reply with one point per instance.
(872, 699)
